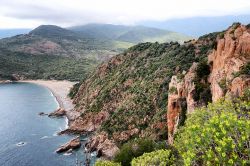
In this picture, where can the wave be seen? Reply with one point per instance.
(45, 137)
(21, 143)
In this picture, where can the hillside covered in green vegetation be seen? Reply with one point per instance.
(130, 100)
(52, 52)
(135, 85)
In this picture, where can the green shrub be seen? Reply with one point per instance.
(223, 84)
(155, 158)
(246, 95)
(216, 135)
(172, 90)
(245, 69)
(73, 91)
(248, 25)
(203, 69)
(106, 163)
(134, 149)
(221, 35)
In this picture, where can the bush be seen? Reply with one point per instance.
(203, 70)
(221, 35)
(106, 163)
(73, 91)
(172, 90)
(156, 158)
(216, 135)
(223, 84)
(134, 149)
(246, 94)
(245, 69)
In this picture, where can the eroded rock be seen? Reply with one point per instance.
(58, 113)
(72, 144)
(105, 148)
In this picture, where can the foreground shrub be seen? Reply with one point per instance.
(155, 158)
(216, 135)
(106, 163)
(134, 149)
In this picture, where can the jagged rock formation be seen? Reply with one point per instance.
(104, 147)
(72, 144)
(221, 73)
(232, 53)
(180, 100)
(58, 113)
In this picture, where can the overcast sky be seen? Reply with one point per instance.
(31, 13)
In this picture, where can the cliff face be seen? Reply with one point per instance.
(232, 53)
(180, 100)
(221, 75)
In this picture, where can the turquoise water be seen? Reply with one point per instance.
(27, 139)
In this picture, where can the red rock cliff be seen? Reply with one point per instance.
(226, 79)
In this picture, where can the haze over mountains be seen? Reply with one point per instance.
(193, 26)
(197, 26)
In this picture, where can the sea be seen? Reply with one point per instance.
(27, 138)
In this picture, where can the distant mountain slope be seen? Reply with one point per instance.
(52, 31)
(197, 26)
(12, 32)
(144, 34)
(103, 31)
(57, 41)
(52, 52)
(131, 34)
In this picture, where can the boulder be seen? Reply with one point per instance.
(42, 114)
(58, 113)
(105, 147)
(72, 144)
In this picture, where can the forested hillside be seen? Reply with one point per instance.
(146, 94)
(52, 52)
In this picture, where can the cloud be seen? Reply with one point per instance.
(31, 13)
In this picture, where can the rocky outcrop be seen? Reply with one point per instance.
(225, 78)
(125, 135)
(104, 147)
(42, 114)
(89, 123)
(180, 100)
(233, 51)
(72, 144)
(58, 113)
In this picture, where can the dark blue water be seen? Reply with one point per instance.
(20, 104)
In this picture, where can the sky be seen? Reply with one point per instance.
(65, 13)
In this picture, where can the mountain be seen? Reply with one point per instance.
(130, 34)
(12, 32)
(147, 91)
(52, 52)
(103, 31)
(197, 26)
(54, 32)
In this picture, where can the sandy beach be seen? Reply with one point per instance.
(60, 90)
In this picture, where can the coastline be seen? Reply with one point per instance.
(59, 90)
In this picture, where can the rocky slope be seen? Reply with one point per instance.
(126, 97)
(225, 72)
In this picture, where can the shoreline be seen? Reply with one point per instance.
(59, 90)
